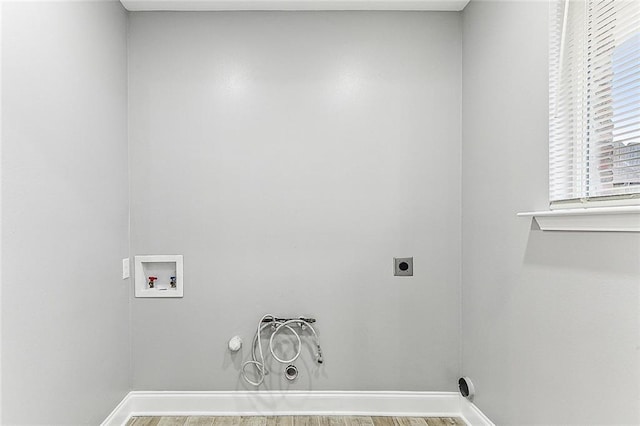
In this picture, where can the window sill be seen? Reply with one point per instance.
(595, 219)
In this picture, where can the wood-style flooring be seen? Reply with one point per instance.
(296, 421)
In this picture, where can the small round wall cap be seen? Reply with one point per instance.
(235, 343)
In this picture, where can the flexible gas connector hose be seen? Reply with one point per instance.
(257, 360)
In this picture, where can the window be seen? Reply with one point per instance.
(594, 101)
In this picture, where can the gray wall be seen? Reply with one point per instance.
(289, 157)
(550, 319)
(65, 310)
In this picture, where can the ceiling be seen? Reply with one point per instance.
(204, 5)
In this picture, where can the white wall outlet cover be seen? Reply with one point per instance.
(125, 269)
(159, 275)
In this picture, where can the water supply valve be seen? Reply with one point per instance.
(152, 282)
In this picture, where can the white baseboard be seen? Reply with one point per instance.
(472, 414)
(273, 403)
(120, 414)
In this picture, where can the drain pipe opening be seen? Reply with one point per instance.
(291, 372)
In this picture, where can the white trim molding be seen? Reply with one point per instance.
(272, 403)
(472, 414)
(232, 5)
(600, 219)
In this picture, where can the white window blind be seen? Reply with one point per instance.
(594, 100)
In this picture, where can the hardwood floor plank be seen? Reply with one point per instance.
(302, 421)
(295, 421)
(334, 421)
(450, 421)
(410, 421)
(321, 420)
(383, 421)
(200, 421)
(172, 421)
(226, 421)
(144, 421)
(253, 421)
(280, 421)
(358, 421)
